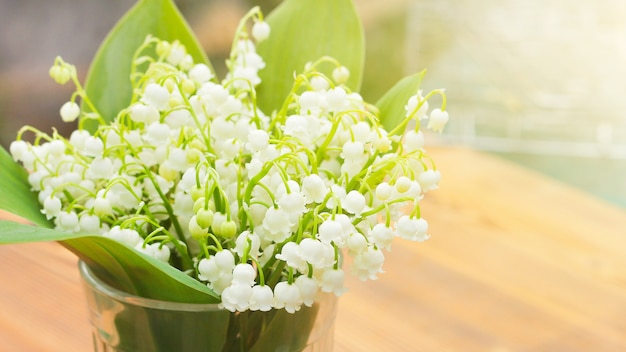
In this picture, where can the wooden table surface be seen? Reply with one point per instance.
(516, 262)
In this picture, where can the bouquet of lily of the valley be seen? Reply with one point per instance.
(245, 191)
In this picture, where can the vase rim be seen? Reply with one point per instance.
(95, 283)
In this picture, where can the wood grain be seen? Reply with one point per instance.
(516, 262)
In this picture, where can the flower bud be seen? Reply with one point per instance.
(341, 74)
(199, 203)
(197, 231)
(163, 48)
(204, 218)
(189, 87)
(228, 229)
(69, 111)
(167, 172)
(201, 73)
(429, 180)
(197, 193)
(102, 207)
(260, 31)
(354, 202)
(403, 184)
(412, 104)
(192, 156)
(60, 74)
(157, 96)
(18, 149)
(414, 140)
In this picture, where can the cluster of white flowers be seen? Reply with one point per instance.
(259, 207)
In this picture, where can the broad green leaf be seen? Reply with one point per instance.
(117, 264)
(391, 105)
(304, 31)
(15, 194)
(108, 81)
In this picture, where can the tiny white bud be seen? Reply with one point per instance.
(177, 53)
(414, 140)
(143, 113)
(60, 74)
(412, 104)
(354, 202)
(18, 149)
(200, 73)
(70, 111)
(93, 146)
(341, 74)
(157, 96)
(403, 184)
(260, 31)
(383, 191)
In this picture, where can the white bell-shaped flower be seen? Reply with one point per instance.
(51, 207)
(337, 99)
(381, 235)
(332, 280)
(78, 138)
(18, 149)
(287, 296)
(278, 224)
(93, 147)
(157, 96)
(429, 180)
(143, 113)
(330, 230)
(412, 104)
(413, 140)
(290, 253)
(316, 253)
(356, 243)
(89, 224)
(201, 73)
(128, 237)
(69, 111)
(341, 74)
(294, 205)
(262, 298)
(368, 263)
(258, 140)
(314, 189)
(438, 120)
(244, 274)
(308, 289)
(245, 240)
(412, 228)
(309, 103)
(260, 31)
(383, 191)
(236, 297)
(354, 202)
(155, 250)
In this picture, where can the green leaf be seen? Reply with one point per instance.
(118, 265)
(16, 196)
(304, 31)
(108, 81)
(391, 105)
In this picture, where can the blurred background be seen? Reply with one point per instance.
(538, 82)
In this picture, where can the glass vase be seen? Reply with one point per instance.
(126, 323)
